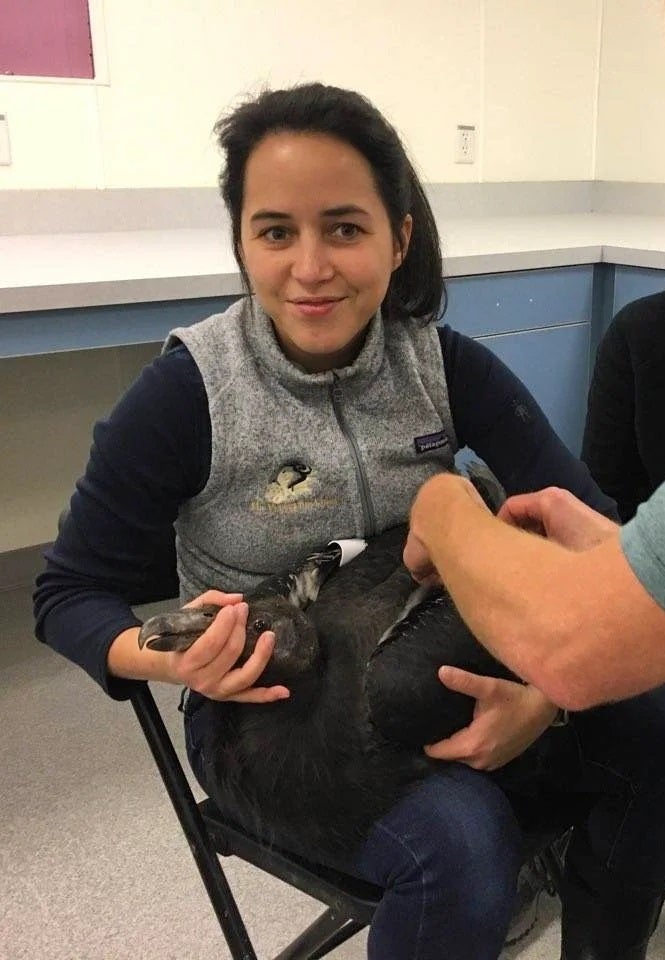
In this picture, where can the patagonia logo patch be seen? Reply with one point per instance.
(431, 441)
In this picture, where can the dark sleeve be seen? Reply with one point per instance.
(116, 547)
(495, 415)
(610, 447)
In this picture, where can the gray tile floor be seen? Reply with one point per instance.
(93, 864)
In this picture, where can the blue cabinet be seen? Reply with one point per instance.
(544, 324)
(554, 365)
(539, 323)
(523, 300)
(631, 283)
(88, 328)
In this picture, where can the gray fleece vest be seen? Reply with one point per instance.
(301, 458)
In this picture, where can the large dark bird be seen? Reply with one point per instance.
(359, 647)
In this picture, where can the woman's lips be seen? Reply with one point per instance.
(316, 308)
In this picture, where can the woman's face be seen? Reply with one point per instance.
(317, 245)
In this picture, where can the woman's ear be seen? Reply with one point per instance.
(400, 249)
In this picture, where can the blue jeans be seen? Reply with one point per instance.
(448, 853)
(447, 856)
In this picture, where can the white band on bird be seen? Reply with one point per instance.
(350, 548)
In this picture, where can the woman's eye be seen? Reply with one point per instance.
(260, 625)
(346, 231)
(275, 234)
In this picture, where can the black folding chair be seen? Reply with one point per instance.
(350, 902)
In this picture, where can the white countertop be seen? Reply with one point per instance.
(45, 272)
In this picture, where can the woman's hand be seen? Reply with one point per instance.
(508, 717)
(208, 665)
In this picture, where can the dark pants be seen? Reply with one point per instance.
(448, 854)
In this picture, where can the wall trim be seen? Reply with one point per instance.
(106, 211)
(629, 199)
(102, 211)
(165, 208)
(510, 199)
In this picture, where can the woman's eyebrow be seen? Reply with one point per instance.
(342, 211)
(269, 215)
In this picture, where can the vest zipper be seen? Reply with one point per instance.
(365, 497)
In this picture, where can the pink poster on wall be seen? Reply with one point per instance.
(45, 38)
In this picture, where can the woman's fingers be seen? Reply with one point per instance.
(216, 650)
(217, 678)
(261, 695)
(209, 664)
(215, 596)
(240, 679)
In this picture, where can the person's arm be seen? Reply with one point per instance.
(116, 547)
(578, 625)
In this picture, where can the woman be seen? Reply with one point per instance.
(315, 408)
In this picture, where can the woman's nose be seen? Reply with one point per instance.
(311, 261)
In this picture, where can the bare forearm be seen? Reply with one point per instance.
(125, 659)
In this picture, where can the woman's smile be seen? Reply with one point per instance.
(316, 306)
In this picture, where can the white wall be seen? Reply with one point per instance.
(559, 89)
(540, 68)
(525, 73)
(631, 115)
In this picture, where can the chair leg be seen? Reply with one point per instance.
(327, 932)
(185, 806)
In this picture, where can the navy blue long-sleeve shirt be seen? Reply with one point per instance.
(153, 453)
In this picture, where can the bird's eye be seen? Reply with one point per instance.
(260, 625)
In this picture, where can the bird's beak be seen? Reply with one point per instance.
(177, 630)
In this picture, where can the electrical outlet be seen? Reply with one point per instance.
(5, 152)
(465, 145)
